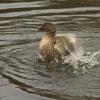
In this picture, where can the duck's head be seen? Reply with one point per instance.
(48, 28)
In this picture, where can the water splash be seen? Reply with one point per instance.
(82, 61)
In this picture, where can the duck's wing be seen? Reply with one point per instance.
(60, 45)
(65, 43)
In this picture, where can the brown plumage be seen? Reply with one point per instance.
(53, 47)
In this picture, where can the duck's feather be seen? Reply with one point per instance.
(65, 43)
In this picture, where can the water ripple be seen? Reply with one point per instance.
(19, 21)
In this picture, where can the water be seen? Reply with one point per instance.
(19, 21)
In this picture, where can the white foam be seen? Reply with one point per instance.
(82, 60)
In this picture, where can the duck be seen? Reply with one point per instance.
(53, 47)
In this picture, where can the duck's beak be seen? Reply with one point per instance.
(39, 34)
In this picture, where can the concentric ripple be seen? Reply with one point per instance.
(19, 21)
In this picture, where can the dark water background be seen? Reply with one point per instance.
(22, 77)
